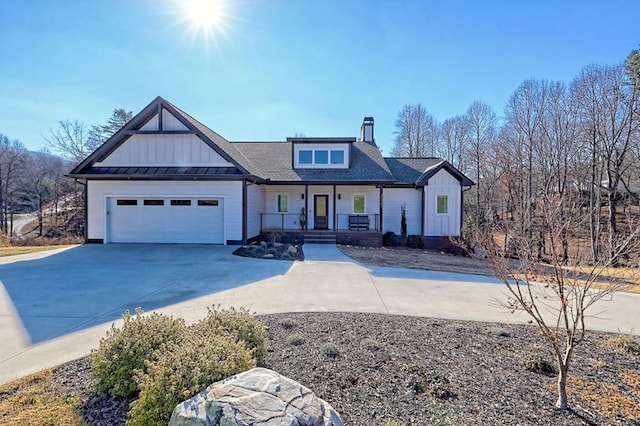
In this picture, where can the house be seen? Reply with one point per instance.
(167, 178)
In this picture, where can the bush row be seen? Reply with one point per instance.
(163, 361)
(391, 239)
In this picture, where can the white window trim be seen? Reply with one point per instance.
(447, 197)
(278, 202)
(353, 203)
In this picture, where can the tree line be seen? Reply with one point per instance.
(571, 147)
(35, 181)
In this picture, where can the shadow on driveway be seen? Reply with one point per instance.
(93, 284)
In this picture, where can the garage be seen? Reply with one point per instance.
(161, 219)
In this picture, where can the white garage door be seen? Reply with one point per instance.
(165, 220)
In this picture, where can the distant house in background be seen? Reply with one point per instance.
(167, 178)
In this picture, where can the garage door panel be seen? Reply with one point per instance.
(186, 220)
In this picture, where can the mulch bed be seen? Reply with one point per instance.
(423, 371)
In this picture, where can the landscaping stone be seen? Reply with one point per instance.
(258, 397)
(264, 250)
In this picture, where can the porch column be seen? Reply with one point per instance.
(334, 208)
(422, 213)
(244, 212)
(380, 217)
(306, 206)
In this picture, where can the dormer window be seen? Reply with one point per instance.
(305, 157)
(321, 153)
(337, 157)
(322, 157)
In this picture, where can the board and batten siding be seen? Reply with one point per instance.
(436, 225)
(164, 150)
(255, 206)
(99, 191)
(393, 199)
(344, 205)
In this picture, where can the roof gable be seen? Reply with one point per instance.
(418, 171)
(167, 128)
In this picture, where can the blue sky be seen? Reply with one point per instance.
(292, 66)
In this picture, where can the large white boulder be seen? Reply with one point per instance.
(258, 397)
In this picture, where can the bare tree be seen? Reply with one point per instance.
(455, 135)
(608, 97)
(416, 133)
(70, 139)
(557, 298)
(524, 115)
(482, 128)
(12, 165)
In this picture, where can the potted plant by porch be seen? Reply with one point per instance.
(303, 219)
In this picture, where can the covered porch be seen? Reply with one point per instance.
(342, 213)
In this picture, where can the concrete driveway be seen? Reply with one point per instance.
(55, 306)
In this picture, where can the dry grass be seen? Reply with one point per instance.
(14, 250)
(33, 401)
(606, 398)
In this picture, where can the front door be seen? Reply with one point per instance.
(320, 212)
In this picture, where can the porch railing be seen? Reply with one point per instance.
(282, 221)
(343, 222)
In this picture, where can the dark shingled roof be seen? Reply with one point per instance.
(270, 161)
(419, 170)
(273, 160)
(409, 170)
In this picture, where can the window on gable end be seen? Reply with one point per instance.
(442, 206)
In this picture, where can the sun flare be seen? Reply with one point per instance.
(205, 14)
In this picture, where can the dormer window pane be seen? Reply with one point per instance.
(337, 157)
(305, 157)
(322, 157)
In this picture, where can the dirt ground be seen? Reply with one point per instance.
(429, 260)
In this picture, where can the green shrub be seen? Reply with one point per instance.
(369, 344)
(415, 241)
(388, 238)
(179, 371)
(537, 364)
(329, 350)
(238, 323)
(499, 331)
(295, 340)
(289, 323)
(124, 350)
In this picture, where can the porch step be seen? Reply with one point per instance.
(319, 238)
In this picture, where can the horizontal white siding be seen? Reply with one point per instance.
(164, 150)
(99, 191)
(393, 199)
(442, 183)
(255, 206)
(273, 219)
(344, 205)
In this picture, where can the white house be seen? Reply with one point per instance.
(167, 178)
